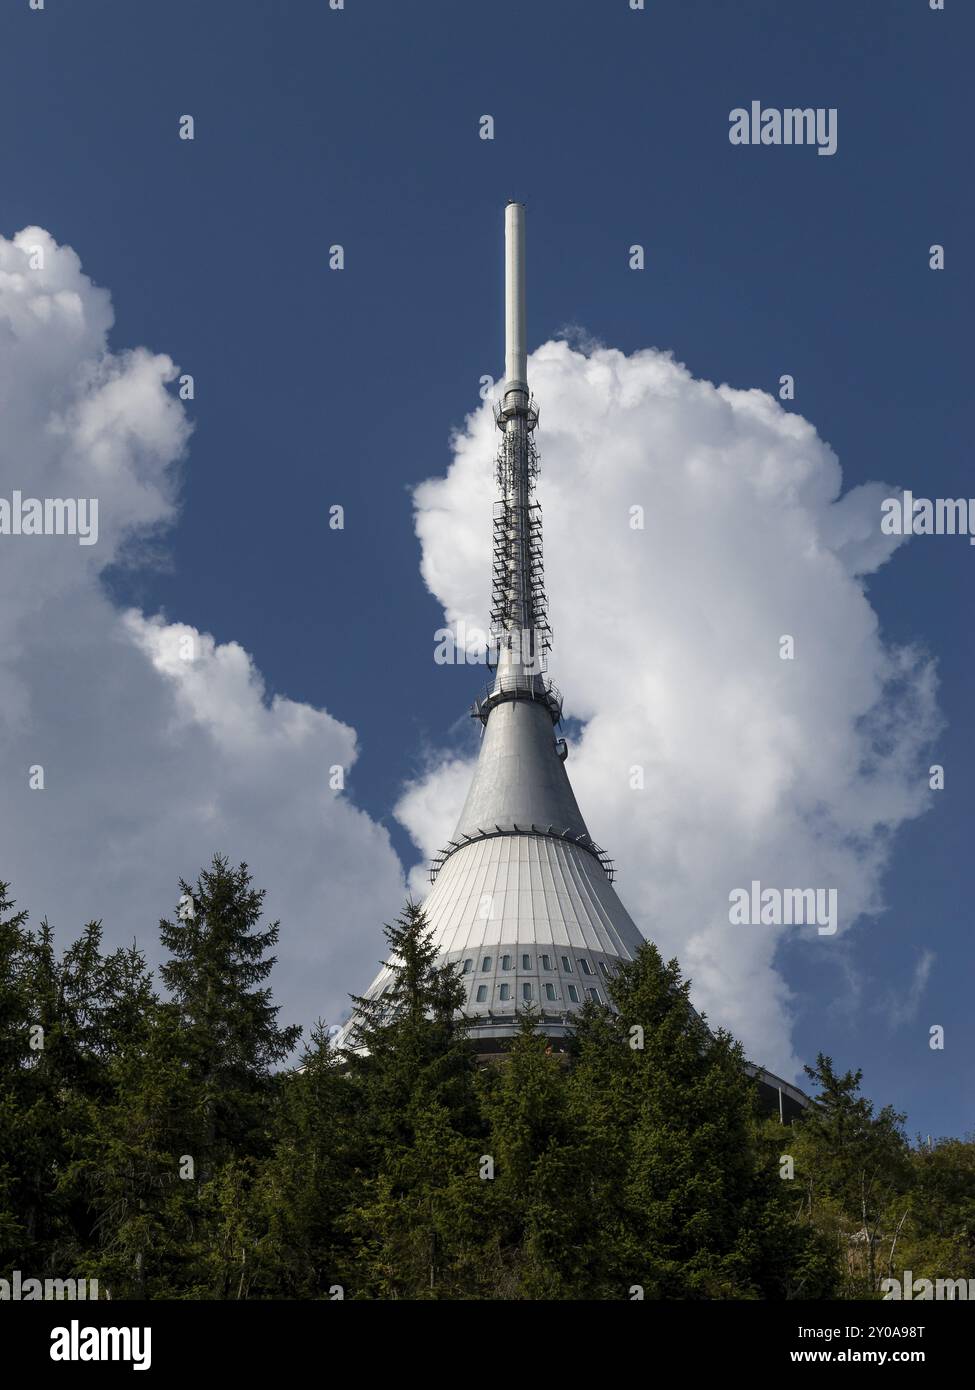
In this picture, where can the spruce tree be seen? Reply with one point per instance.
(698, 1211)
(217, 961)
(138, 1160)
(304, 1189)
(229, 1046)
(542, 1238)
(64, 1022)
(414, 1224)
(66, 1078)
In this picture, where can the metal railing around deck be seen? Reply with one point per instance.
(519, 685)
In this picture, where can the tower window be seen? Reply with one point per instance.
(567, 965)
(594, 995)
(549, 991)
(584, 965)
(526, 962)
(486, 963)
(467, 967)
(505, 962)
(505, 991)
(526, 990)
(546, 962)
(602, 966)
(481, 993)
(573, 993)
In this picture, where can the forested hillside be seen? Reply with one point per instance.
(157, 1134)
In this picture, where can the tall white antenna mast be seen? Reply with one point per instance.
(519, 610)
(515, 338)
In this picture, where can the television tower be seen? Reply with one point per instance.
(522, 899)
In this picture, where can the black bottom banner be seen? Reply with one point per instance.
(167, 1338)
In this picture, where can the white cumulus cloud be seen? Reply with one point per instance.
(796, 773)
(158, 745)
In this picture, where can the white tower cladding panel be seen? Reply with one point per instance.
(529, 889)
(527, 910)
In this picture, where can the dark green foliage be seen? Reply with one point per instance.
(217, 958)
(170, 1148)
(412, 1219)
(883, 1205)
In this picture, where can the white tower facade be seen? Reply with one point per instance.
(522, 899)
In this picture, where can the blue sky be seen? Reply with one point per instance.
(313, 387)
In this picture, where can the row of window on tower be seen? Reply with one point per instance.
(528, 994)
(507, 962)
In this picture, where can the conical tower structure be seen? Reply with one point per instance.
(523, 899)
